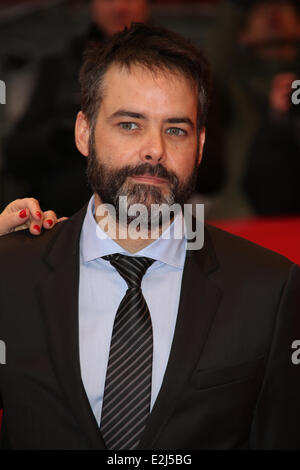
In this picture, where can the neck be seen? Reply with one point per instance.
(121, 234)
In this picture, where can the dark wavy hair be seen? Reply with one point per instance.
(154, 48)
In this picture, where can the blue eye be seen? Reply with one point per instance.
(176, 131)
(128, 126)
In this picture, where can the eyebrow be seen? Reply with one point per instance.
(135, 115)
(125, 113)
(180, 120)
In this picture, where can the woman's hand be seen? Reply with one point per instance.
(26, 213)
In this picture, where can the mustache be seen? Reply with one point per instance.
(146, 168)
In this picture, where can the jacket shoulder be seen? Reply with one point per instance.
(237, 253)
(21, 246)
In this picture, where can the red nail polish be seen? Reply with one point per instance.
(22, 214)
(37, 227)
(39, 215)
(49, 222)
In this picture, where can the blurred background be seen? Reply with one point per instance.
(251, 165)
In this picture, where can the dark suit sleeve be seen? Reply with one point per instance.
(277, 415)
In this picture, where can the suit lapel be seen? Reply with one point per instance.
(198, 304)
(57, 293)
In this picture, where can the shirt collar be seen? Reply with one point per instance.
(95, 243)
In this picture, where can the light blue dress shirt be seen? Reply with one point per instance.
(101, 289)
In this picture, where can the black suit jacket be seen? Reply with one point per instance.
(229, 384)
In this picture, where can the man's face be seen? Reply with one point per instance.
(145, 143)
(112, 16)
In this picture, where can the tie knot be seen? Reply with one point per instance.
(131, 268)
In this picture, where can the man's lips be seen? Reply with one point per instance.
(149, 179)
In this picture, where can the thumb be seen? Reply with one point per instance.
(8, 222)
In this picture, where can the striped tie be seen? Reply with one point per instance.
(127, 392)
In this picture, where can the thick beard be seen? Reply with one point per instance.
(110, 185)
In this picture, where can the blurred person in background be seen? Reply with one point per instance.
(253, 42)
(271, 179)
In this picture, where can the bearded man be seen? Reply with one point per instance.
(138, 342)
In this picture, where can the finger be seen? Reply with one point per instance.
(9, 222)
(35, 227)
(34, 207)
(49, 219)
(62, 219)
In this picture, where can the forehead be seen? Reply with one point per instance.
(156, 92)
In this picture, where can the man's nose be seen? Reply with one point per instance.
(153, 149)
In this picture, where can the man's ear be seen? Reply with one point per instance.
(202, 134)
(82, 134)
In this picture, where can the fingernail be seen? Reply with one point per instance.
(22, 214)
(49, 222)
(39, 215)
(37, 227)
